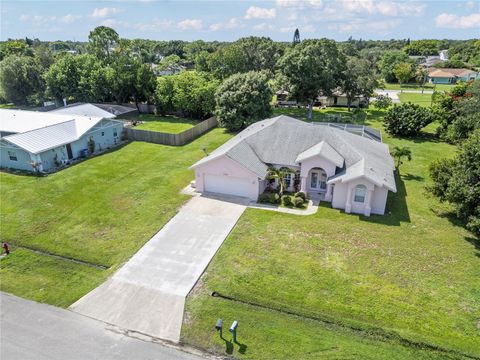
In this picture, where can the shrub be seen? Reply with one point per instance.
(269, 198)
(301, 194)
(274, 198)
(298, 202)
(406, 119)
(382, 102)
(287, 200)
(264, 198)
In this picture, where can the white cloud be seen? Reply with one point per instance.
(263, 26)
(453, 21)
(381, 25)
(233, 23)
(299, 3)
(387, 8)
(254, 12)
(154, 25)
(190, 24)
(109, 22)
(104, 12)
(69, 18)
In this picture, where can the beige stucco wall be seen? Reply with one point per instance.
(226, 167)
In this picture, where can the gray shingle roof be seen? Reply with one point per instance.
(282, 139)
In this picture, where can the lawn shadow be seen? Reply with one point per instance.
(411, 177)
(228, 345)
(454, 220)
(242, 348)
(426, 137)
(396, 210)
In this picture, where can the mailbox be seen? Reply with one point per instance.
(219, 325)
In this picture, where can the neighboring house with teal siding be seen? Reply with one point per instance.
(44, 141)
(451, 76)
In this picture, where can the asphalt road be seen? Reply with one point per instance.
(29, 330)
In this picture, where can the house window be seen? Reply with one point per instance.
(103, 133)
(360, 192)
(12, 155)
(323, 180)
(288, 180)
(115, 132)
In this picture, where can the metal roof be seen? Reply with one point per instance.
(84, 110)
(18, 121)
(40, 131)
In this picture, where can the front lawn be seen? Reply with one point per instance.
(100, 211)
(408, 279)
(420, 99)
(167, 124)
(418, 87)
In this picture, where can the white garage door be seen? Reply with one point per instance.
(228, 185)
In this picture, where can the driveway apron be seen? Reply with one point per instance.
(148, 293)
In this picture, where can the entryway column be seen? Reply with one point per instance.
(303, 184)
(348, 204)
(368, 203)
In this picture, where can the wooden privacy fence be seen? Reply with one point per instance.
(172, 139)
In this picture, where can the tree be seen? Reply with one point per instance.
(101, 41)
(406, 119)
(403, 72)
(81, 77)
(131, 80)
(169, 61)
(190, 92)
(422, 47)
(194, 94)
(388, 61)
(296, 37)
(312, 67)
(259, 53)
(421, 75)
(243, 99)
(457, 181)
(20, 78)
(279, 174)
(164, 94)
(399, 153)
(382, 102)
(359, 79)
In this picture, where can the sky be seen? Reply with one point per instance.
(228, 20)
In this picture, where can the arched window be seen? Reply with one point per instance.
(360, 192)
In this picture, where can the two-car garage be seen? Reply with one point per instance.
(225, 176)
(227, 185)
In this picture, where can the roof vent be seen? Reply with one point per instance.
(371, 168)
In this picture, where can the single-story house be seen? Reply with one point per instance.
(107, 111)
(43, 141)
(451, 76)
(339, 98)
(353, 172)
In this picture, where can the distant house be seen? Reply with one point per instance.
(450, 76)
(171, 69)
(99, 110)
(339, 98)
(353, 170)
(43, 141)
(429, 61)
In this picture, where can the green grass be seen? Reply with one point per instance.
(412, 273)
(414, 86)
(6, 106)
(168, 124)
(420, 99)
(99, 211)
(47, 279)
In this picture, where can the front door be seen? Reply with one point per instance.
(318, 180)
(69, 151)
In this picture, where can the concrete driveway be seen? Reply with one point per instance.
(33, 331)
(148, 293)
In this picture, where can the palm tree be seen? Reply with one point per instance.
(279, 174)
(399, 153)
